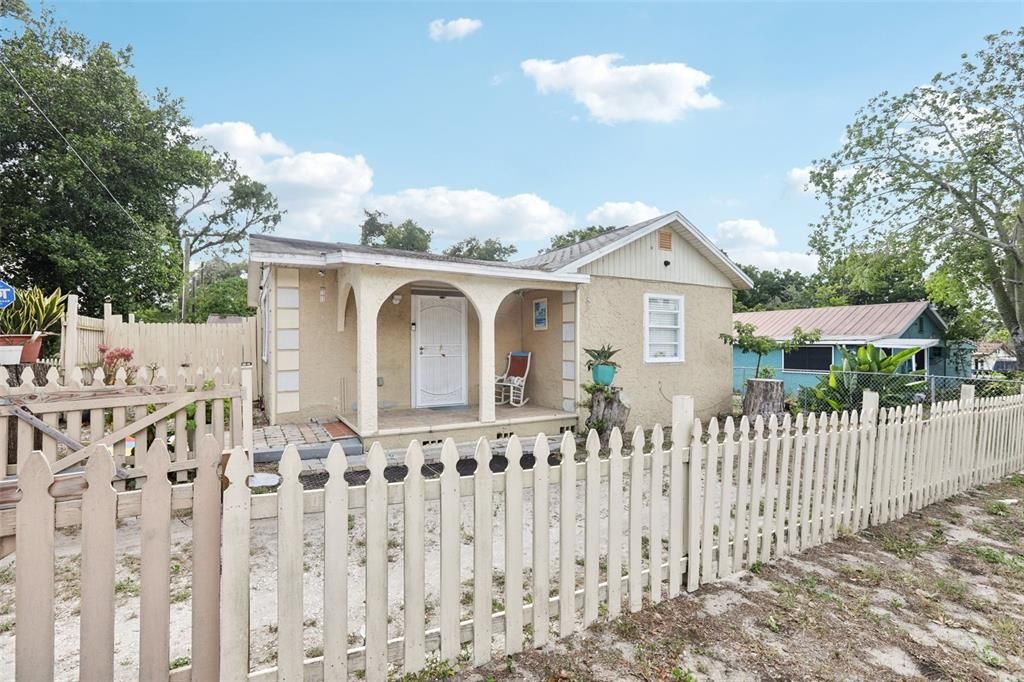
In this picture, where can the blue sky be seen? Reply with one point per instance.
(514, 125)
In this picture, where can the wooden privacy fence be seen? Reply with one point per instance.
(583, 536)
(162, 344)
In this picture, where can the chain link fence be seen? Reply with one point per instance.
(808, 391)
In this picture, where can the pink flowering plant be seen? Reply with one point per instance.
(115, 359)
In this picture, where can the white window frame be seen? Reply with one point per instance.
(647, 329)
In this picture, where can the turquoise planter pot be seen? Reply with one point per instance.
(603, 374)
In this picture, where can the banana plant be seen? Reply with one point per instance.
(870, 368)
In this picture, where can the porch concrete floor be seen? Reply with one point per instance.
(432, 419)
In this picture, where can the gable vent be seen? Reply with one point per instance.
(665, 240)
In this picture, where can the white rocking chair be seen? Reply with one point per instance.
(510, 387)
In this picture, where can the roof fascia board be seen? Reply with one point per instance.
(382, 260)
(673, 217)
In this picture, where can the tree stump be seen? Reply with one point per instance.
(764, 397)
(608, 409)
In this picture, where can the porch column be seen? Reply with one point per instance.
(487, 315)
(366, 365)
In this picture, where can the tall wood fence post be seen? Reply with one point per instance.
(69, 339)
(969, 463)
(869, 408)
(679, 473)
(247, 437)
(109, 324)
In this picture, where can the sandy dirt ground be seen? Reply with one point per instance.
(937, 595)
(263, 585)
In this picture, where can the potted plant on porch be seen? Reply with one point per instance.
(32, 316)
(601, 366)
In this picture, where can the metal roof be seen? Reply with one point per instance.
(852, 323)
(559, 258)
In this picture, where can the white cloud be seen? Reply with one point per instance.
(799, 179)
(454, 214)
(620, 213)
(613, 93)
(749, 242)
(455, 29)
(747, 232)
(322, 191)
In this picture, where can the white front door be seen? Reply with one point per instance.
(439, 372)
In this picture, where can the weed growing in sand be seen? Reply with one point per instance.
(997, 508)
(179, 662)
(680, 675)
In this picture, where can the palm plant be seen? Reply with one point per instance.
(843, 388)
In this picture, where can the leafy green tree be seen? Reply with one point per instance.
(747, 340)
(218, 210)
(774, 290)
(407, 236)
(942, 164)
(881, 273)
(581, 234)
(58, 226)
(222, 297)
(488, 249)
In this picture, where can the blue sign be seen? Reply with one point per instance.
(6, 294)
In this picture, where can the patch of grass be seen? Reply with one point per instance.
(989, 657)
(181, 595)
(757, 567)
(869, 574)
(996, 557)
(1016, 479)
(314, 652)
(126, 587)
(6, 625)
(435, 669)
(179, 662)
(906, 547)
(7, 575)
(680, 675)
(997, 508)
(772, 624)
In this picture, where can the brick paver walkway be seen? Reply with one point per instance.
(265, 437)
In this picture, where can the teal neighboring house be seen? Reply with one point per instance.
(890, 326)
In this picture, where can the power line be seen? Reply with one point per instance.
(69, 145)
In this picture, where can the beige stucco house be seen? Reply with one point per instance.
(405, 345)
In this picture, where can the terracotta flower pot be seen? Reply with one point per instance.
(30, 344)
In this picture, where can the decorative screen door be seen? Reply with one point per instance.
(439, 375)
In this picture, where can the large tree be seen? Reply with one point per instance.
(407, 236)
(220, 206)
(773, 290)
(580, 234)
(942, 164)
(59, 226)
(487, 249)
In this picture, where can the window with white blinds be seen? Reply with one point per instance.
(663, 328)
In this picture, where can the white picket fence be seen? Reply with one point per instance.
(623, 526)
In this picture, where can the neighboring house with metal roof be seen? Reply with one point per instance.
(890, 326)
(994, 356)
(403, 344)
